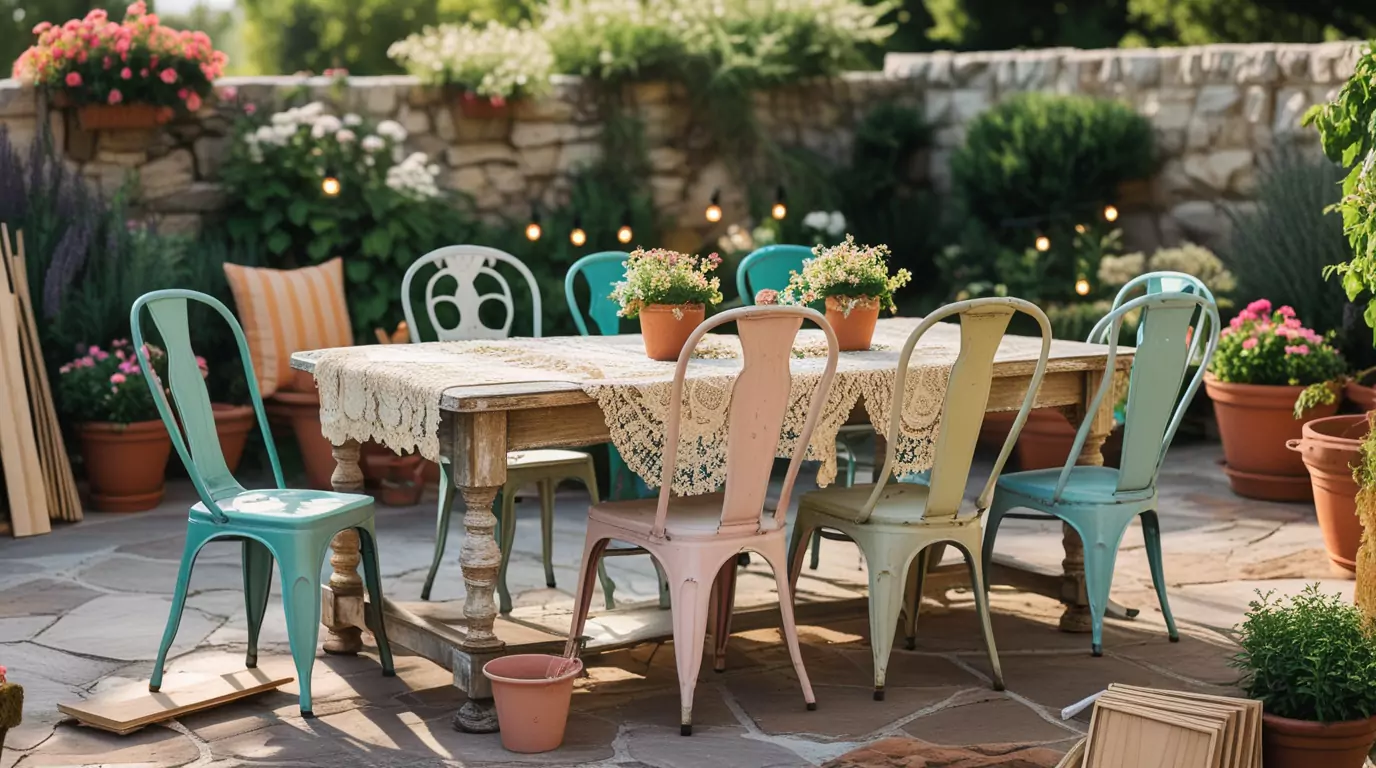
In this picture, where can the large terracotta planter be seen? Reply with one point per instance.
(107, 117)
(303, 410)
(666, 328)
(125, 464)
(233, 423)
(1047, 438)
(1362, 398)
(854, 329)
(1287, 743)
(1255, 421)
(1329, 448)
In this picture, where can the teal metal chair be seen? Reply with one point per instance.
(771, 267)
(291, 527)
(1101, 502)
(602, 271)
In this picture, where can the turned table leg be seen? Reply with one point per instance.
(342, 604)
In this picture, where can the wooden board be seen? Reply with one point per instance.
(1250, 737)
(133, 707)
(18, 448)
(1229, 719)
(1126, 736)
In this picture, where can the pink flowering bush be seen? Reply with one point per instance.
(108, 385)
(661, 276)
(96, 60)
(1261, 346)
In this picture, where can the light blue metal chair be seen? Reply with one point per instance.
(291, 527)
(771, 267)
(1101, 502)
(602, 271)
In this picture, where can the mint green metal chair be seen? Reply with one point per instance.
(291, 527)
(1101, 502)
(771, 267)
(603, 271)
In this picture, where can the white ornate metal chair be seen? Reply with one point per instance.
(465, 266)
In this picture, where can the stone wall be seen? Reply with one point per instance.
(1217, 110)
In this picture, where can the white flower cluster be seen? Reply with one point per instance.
(833, 223)
(414, 176)
(493, 61)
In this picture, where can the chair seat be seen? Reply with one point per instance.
(689, 516)
(1087, 485)
(284, 507)
(546, 457)
(900, 503)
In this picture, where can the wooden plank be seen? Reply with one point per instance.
(1230, 717)
(18, 448)
(1250, 708)
(133, 707)
(1125, 736)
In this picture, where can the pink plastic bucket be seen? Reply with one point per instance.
(532, 706)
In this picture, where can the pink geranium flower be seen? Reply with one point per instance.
(73, 79)
(168, 75)
(193, 102)
(115, 96)
(1249, 343)
(126, 73)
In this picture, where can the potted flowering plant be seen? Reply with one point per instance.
(11, 707)
(1259, 381)
(132, 74)
(123, 442)
(855, 281)
(669, 291)
(487, 66)
(1311, 660)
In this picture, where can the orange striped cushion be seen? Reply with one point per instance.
(286, 311)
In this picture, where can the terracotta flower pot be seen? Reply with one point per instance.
(233, 423)
(854, 329)
(469, 105)
(1047, 438)
(125, 464)
(532, 693)
(1363, 398)
(666, 328)
(104, 117)
(1287, 743)
(1255, 421)
(303, 409)
(1329, 447)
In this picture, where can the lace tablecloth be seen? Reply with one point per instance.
(392, 393)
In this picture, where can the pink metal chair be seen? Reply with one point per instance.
(695, 538)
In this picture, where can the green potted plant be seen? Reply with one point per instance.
(487, 67)
(1311, 660)
(133, 74)
(1260, 383)
(855, 282)
(124, 445)
(669, 291)
(11, 707)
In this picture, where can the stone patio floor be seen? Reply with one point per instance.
(82, 610)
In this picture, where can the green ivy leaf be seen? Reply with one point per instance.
(278, 242)
(358, 270)
(298, 211)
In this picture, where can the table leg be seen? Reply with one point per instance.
(342, 607)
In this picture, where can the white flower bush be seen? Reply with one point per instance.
(494, 62)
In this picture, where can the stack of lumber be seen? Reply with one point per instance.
(1149, 728)
(33, 459)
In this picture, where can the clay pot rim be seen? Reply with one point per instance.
(575, 669)
(863, 301)
(293, 399)
(1315, 727)
(151, 425)
(690, 307)
(1258, 395)
(1312, 434)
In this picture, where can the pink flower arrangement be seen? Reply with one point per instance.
(662, 276)
(1262, 345)
(77, 58)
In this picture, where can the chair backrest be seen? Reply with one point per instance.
(983, 323)
(192, 428)
(759, 402)
(602, 271)
(464, 264)
(1157, 282)
(769, 267)
(1155, 404)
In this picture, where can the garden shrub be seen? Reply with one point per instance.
(1042, 165)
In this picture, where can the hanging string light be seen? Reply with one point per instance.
(779, 211)
(1082, 287)
(533, 230)
(713, 212)
(1110, 213)
(578, 237)
(624, 233)
(330, 185)
(1080, 228)
(1042, 243)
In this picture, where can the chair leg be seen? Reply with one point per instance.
(887, 578)
(816, 559)
(691, 600)
(1101, 555)
(301, 600)
(547, 529)
(592, 553)
(778, 561)
(1151, 533)
(257, 585)
(917, 579)
(992, 517)
(981, 590)
(506, 537)
(190, 549)
(666, 600)
(372, 576)
(723, 605)
(446, 509)
(803, 532)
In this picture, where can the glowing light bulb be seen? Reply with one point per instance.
(1110, 213)
(533, 231)
(624, 234)
(778, 211)
(330, 186)
(578, 237)
(714, 213)
(1080, 228)
(1043, 243)
(1082, 287)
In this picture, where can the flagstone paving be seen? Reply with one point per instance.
(81, 612)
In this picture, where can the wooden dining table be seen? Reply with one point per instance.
(481, 423)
